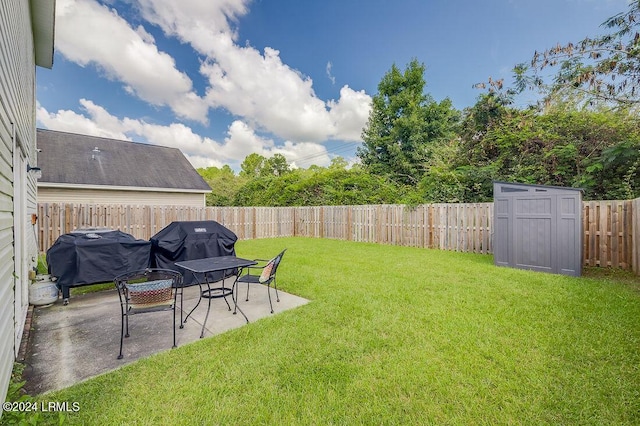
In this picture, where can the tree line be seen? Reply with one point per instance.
(584, 133)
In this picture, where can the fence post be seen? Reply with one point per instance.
(254, 223)
(635, 235)
(295, 221)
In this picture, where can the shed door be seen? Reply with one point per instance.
(534, 233)
(547, 234)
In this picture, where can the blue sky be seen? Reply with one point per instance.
(221, 79)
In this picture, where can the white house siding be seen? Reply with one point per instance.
(101, 196)
(17, 136)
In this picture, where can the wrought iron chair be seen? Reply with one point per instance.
(267, 276)
(144, 291)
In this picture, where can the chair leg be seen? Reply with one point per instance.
(269, 293)
(236, 308)
(275, 286)
(174, 327)
(174, 320)
(121, 335)
(247, 292)
(181, 305)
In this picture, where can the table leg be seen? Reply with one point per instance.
(213, 293)
(204, 323)
(194, 308)
(224, 292)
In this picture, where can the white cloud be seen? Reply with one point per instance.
(304, 154)
(350, 113)
(203, 162)
(201, 151)
(89, 33)
(195, 21)
(72, 122)
(267, 93)
(256, 86)
(243, 140)
(266, 96)
(329, 75)
(278, 99)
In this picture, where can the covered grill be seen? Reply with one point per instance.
(81, 258)
(189, 241)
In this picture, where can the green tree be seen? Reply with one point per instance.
(276, 165)
(270, 190)
(333, 185)
(596, 70)
(594, 150)
(256, 165)
(403, 124)
(341, 186)
(252, 166)
(443, 182)
(487, 112)
(224, 185)
(338, 163)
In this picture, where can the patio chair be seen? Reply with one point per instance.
(144, 291)
(267, 275)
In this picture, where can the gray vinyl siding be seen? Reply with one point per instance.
(114, 196)
(17, 117)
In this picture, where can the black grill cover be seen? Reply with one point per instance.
(87, 258)
(189, 241)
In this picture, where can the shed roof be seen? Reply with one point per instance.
(514, 188)
(73, 159)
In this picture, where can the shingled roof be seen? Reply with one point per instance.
(69, 158)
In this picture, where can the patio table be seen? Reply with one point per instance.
(201, 268)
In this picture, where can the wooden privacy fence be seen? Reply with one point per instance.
(611, 229)
(608, 233)
(460, 227)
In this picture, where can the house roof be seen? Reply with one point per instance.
(43, 24)
(72, 159)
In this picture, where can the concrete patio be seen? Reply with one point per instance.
(68, 344)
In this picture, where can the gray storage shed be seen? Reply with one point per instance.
(538, 227)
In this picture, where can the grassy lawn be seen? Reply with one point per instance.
(395, 335)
